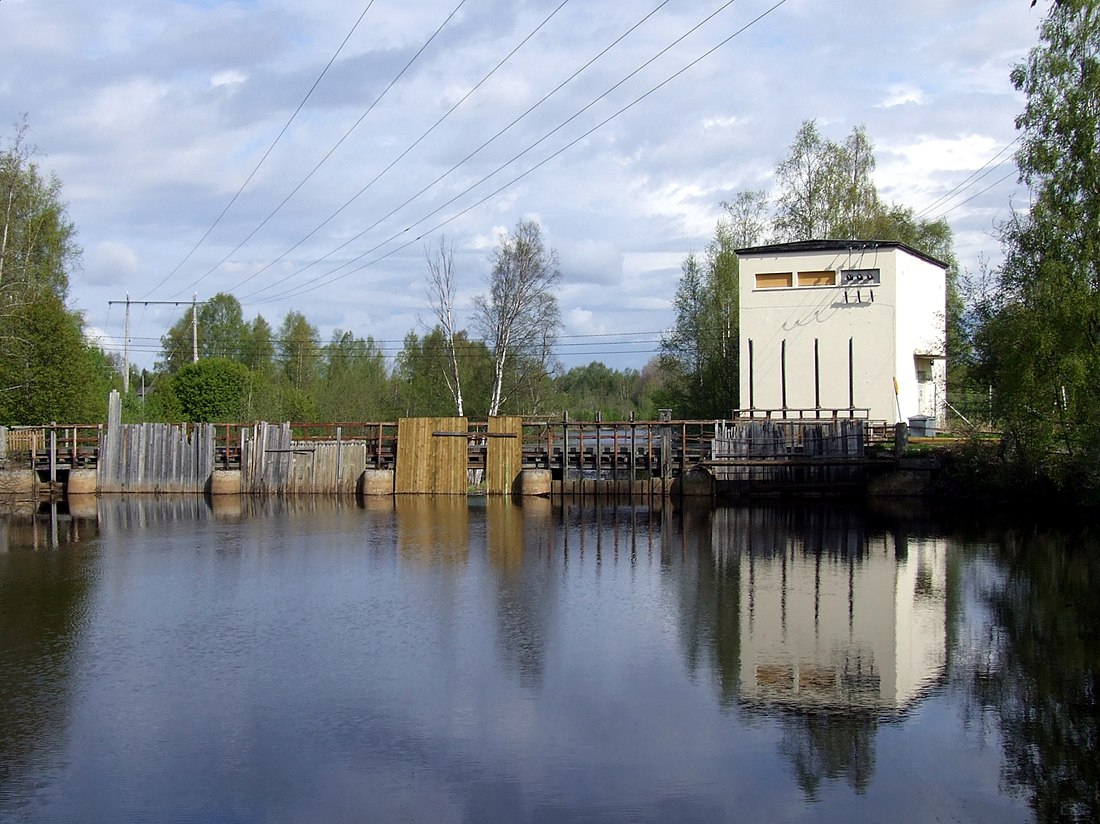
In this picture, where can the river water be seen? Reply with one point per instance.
(453, 660)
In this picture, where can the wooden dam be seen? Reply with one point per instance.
(819, 453)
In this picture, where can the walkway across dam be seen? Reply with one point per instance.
(453, 456)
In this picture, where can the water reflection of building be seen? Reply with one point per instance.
(838, 629)
(834, 619)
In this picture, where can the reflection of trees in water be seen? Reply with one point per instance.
(42, 594)
(519, 538)
(830, 746)
(710, 602)
(1038, 673)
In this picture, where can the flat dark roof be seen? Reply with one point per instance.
(835, 246)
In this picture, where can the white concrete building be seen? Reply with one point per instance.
(857, 326)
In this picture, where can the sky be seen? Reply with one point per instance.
(303, 156)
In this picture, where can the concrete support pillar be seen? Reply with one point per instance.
(225, 482)
(18, 482)
(535, 482)
(81, 482)
(83, 506)
(376, 482)
(697, 483)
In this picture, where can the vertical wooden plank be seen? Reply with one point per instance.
(455, 463)
(504, 455)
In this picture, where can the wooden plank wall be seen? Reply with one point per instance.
(504, 455)
(428, 462)
(272, 463)
(154, 457)
(266, 459)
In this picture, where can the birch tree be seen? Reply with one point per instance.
(519, 318)
(440, 289)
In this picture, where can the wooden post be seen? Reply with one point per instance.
(633, 452)
(564, 450)
(683, 450)
(53, 452)
(339, 455)
(597, 457)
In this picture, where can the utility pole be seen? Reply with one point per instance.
(194, 328)
(126, 350)
(195, 304)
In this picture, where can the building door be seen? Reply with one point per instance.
(926, 388)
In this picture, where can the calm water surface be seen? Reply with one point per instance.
(475, 661)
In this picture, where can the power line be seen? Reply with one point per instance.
(275, 142)
(408, 149)
(977, 194)
(330, 152)
(318, 283)
(480, 148)
(974, 176)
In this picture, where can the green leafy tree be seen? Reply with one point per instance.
(211, 390)
(298, 352)
(49, 372)
(38, 246)
(595, 387)
(1039, 342)
(47, 369)
(419, 389)
(259, 347)
(221, 333)
(700, 353)
(355, 384)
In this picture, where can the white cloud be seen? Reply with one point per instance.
(110, 262)
(230, 77)
(901, 96)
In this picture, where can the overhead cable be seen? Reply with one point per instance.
(328, 154)
(408, 149)
(479, 149)
(335, 277)
(256, 168)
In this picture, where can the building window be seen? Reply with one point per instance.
(817, 278)
(774, 280)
